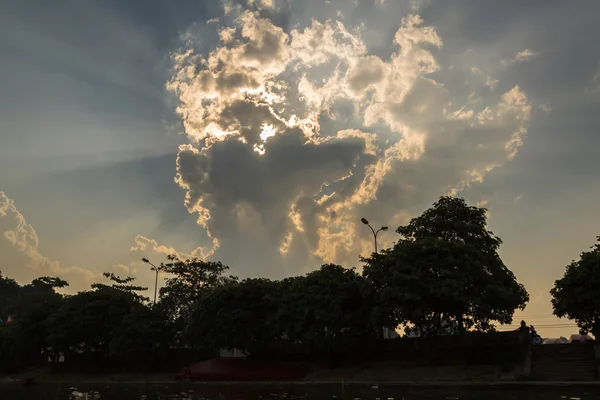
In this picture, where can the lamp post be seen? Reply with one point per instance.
(384, 330)
(154, 268)
(383, 228)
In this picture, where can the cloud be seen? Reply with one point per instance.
(525, 55)
(522, 56)
(156, 253)
(144, 247)
(489, 81)
(21, 259)
(299, 134)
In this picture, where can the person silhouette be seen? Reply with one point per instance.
(523, 327)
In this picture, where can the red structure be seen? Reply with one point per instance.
(239, 370)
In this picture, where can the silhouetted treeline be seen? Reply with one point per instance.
(443, 276)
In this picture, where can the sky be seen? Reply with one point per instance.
(259, 132)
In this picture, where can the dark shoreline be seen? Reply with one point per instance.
(349, 384)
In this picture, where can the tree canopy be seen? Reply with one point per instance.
(238, 315)
(577, 295)
(445, 272)
(187, 282)
(123, 284)
(9, 291)
(443, 275)
(315, 313)
(326, 305)
(25, 336)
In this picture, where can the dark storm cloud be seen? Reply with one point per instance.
(423, 129)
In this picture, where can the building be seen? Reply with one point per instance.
(233, 353)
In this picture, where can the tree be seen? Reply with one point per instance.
(576, 295)
(445, 272)
(327, 310)
(188, 281)
(49, 283)
(238, 316)
(7, 359)
(124, 285)
(450, 219)
(9, 292)
(24, 340)
(36, 302)
(90, 320)
(144, 333)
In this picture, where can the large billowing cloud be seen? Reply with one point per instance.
(299, 133)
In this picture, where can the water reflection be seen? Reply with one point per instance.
(242, 392)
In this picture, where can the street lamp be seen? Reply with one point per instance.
(383, 228)
(154, 268)
(384, 330)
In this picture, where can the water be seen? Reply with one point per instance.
(246, 392)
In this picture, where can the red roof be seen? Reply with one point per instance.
(239, 370)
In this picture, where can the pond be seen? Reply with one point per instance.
(306, 392)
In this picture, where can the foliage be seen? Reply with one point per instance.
(445, 273)
(188, 281)
(325, 307)
(35, 303)
(88, 321)
(576, 295)
(49, 282)
(450, 219)
(108, 320)
(144, 331)
(324, 313)
(9, 292)
(123, 284)
(238, 315)
(7, 361)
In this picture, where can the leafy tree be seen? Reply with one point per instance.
(124, 285)
(576, 295)
(327, 309)
(188, 281)
(325, 312)
(445, 272)
(90, 320)
(144, 332)
(111, 320)
(49, 283)
(7, 354)
(238, 315)
(36, 302)
(9, 292)
(450, 219)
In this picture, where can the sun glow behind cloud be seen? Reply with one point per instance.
(267, 132)
(323, 113)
